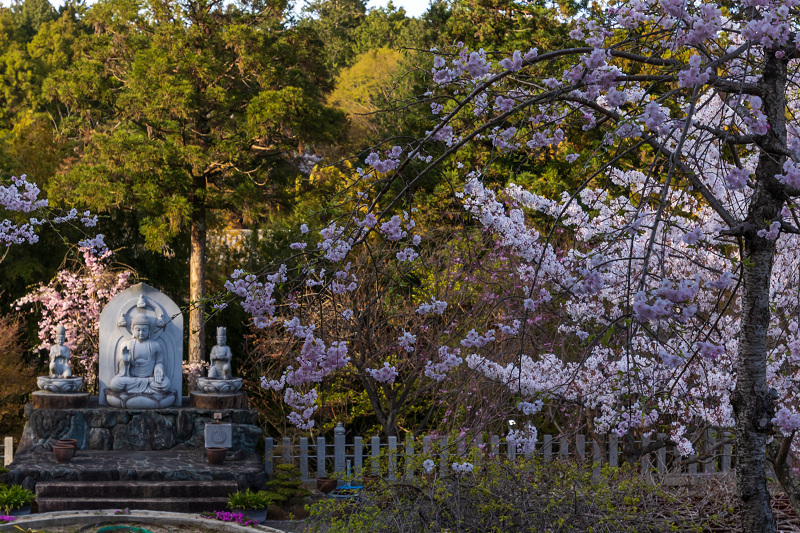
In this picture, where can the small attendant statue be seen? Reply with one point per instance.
(220, 357)
(220, 380)
(59, 356)
(60, 380)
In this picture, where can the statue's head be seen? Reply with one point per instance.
(221, 335)
(60, 335)
(140, 328)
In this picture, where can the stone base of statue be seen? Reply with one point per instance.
(218, 401)
(141, 400)
(219, 385)
(60, 385)
(54, 400)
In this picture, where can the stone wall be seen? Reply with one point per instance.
(107, 428)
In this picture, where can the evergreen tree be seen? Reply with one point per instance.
(191, 106)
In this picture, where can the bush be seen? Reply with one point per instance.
(525, 496)
(14, 497)
(249, 500)
(286, 488)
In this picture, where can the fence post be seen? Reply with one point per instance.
(409, 457)
(548, 448)
(358, 455)
(480, 447)
(286, 450)
(580, 446)
(511, 449)
(727, 452)
(613, 451)
(320, 457)
(304, 458)
(710, 465)
(563, 447)
(494, 446)
(597, 456)
(645, 458)
(339, 452)
(426, 446)
(376, 456)
(443, 455)
(661, 458)
(269, 448)
(392, 458)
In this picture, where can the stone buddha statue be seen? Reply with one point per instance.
(220, 380)
(140, 362)
(220, 357)
(60, 379)
(141, 349)
(59, 356)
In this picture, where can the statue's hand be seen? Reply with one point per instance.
(158, 373)
(126, 354)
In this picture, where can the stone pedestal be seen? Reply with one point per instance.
(218, 401)
(102, 428)
(53, 400)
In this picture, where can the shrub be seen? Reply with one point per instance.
(14, 497)
(525, 496)
(286, 488)
(249, 500)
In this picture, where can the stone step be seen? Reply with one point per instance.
(178, 505)
(135, 489)
(32, 467)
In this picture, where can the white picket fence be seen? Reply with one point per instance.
(400, 460)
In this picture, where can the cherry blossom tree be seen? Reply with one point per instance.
(75, 298)
(682, 281)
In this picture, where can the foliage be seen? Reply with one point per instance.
(249, 500)
(20, 376)
(524, 496)
(286, 488)
(203, 106)
(14, 496)
(75, 298)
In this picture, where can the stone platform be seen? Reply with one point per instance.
(216, 401)
(104, 428)
(34, 466)
(54, 400)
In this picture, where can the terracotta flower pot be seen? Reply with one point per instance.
(63, 453)
(326, 484)
(370, 480)
(216, 456)
(68, 442)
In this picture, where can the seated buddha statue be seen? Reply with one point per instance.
(139, 363)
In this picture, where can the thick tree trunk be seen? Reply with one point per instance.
(753, 402)
(197, 280)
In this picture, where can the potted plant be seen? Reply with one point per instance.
(326, 484)
(15, 500)
(249, 503)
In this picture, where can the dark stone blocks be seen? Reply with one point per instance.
(105, 428)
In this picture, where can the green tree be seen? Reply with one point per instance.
(176, 108)
(335, 22)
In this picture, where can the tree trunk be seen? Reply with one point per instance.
(752, 401)
(197, 280)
